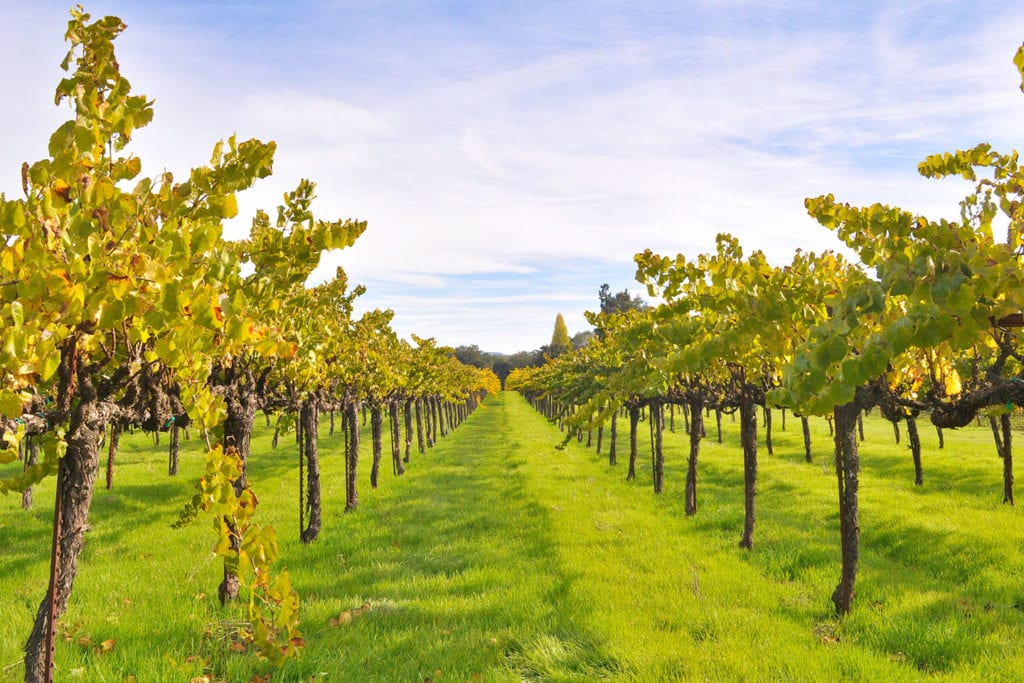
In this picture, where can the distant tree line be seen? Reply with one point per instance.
(503, 363)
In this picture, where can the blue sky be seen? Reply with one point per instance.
(512, 157)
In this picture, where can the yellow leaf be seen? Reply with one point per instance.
(10, 403)
(953, 386)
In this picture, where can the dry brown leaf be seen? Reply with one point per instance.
(106, 646)
(348, 615)
(343, 618)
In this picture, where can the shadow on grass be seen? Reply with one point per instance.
(459, 569)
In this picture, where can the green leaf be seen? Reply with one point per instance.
(10, 403)
(17, 314)
(833, 350)
(962, 299)
(111, 314)
(853, 373)
(171, 298)
(8, 455)
(49, 366)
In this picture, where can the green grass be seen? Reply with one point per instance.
(498, 557)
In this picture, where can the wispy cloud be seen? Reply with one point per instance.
(511, 158)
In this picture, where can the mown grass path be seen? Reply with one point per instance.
(499, 557)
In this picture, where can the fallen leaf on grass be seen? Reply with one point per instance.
(826, 634)
(106, 646)
(348, 615)
(237, 647)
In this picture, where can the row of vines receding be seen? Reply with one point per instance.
(924, 322)
(124, 307)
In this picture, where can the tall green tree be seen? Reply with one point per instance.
(620, 302)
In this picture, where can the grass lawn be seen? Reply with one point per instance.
(498, 557)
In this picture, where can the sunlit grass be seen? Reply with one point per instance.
(498, 557)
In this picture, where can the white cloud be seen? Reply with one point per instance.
(495, 152)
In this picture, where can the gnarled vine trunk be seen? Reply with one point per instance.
(748, 440)
(241, 402)
(420, 441)
(434, 414)
(847, 475)
(112, 445)
(407, 414)
(1004, 421)
(173, 451)
(309, 428)
(396, 439)
(806, 426)
(696, 430)
(376, 431)
(634, 420)
(77, 479)
(657, 413)
(915, 449)
(350, 421)
(613, 437)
